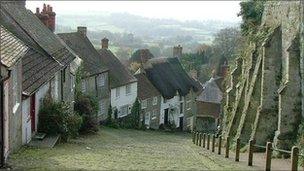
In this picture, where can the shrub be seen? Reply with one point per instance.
(57, 118)
(132, 120)
(113, 123)
(87, 107)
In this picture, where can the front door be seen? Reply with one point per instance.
(181, 121)
(26, 121)
(166, 121)
(33, 116)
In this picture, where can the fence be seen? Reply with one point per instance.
(197, 139)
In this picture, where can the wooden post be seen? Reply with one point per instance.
(219, 145)
(204, 140)
(237, 150)
(213, 143)
(227, 148)
(196, 140)
(250, 152)
(200, 139)
(208, 141)
(294, 158)
(268, 156)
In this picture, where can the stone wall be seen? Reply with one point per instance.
(264, 95)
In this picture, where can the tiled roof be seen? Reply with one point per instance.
(82, 46)
(145, 88)
(119, 75)
(47, 55)
(211, 92)
(169, 77)
(37, 69)
(11, 48)
(37, 31)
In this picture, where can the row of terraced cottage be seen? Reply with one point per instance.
(36, 62)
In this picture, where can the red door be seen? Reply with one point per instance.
(33, 119)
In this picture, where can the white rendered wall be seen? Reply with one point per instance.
(124, 99)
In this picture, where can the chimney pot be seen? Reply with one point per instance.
(82, 30)
(104, 43)
(37, 10)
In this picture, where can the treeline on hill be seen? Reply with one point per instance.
(226, 46)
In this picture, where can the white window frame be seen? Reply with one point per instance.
(154, 114)
(144, 104)
(121, 112)
(101, 80)
(117, 92)
(154, 101)
(147, 118)
(128, 89)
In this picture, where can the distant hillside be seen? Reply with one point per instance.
(131, 31)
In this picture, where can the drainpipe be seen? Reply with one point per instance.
(302, 52)
(2, 124)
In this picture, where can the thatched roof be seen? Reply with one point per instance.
(169, 77)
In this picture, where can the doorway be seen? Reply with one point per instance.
(181, 123)
(33, 117)
(166, 119)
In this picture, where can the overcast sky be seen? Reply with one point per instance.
(180, 10)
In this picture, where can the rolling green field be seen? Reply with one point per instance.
(123, 150)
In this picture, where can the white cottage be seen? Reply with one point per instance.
(122, 83)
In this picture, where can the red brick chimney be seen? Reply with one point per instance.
(104, 43)
(82, 30)
(47, 16)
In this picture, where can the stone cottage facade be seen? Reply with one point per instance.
(150, 99)
(47, 70)
(123, 84)
(209, 106)
(95, 81)
(12, 50)
(177, 89)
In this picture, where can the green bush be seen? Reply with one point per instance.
(87, 107)
(56, 118)
(132, 120)
(110, 122)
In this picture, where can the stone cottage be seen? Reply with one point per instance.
(177, 89)
(48, 68)
(95, 79)
(209, 106)
(122, 83)
(12, 50)
(150, 99)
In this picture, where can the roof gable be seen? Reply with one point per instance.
(211, 92)
(86, 51)
(145, 89)
(119, 74)
(38, 32)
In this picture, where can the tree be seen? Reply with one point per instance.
(226, 46)
(251, 12)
